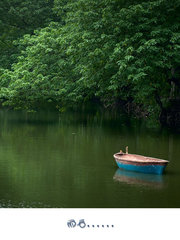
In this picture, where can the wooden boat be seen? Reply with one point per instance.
(140, 163)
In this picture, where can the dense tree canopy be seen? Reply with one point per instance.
(17, 18)
(119, 53)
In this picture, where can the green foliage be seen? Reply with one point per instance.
(111, 50)
(17, 18)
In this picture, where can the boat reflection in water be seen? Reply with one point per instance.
(137, 178)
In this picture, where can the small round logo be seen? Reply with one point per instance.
(71, 223)
(82, 223)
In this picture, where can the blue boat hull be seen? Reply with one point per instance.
(150, 168)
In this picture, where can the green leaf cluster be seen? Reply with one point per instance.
(115, 51)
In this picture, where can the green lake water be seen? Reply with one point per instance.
(66, 160)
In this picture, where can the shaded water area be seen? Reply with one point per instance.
(66, 160)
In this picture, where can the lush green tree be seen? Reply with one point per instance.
(128, 51)
(119, 52)
(18, 17)
(148, 52)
